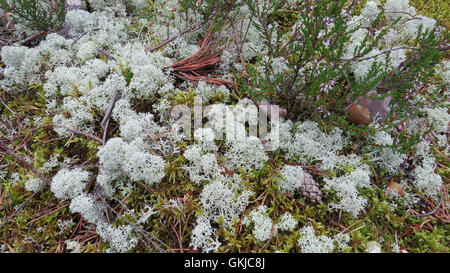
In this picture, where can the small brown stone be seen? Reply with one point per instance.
(359, 114)
(378, 107)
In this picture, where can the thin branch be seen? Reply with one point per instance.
(31, 38)
(136, 228)
(245, 37)
(70, 129)
(109, 56)
(82, 166)
(20, 207)
(105, 121)
(272, 231)
(180, 243)
(444, 47)
(194, 28)
(436, 209)
(4, 104)
(22, 162)
(381, 53)
(82, 35)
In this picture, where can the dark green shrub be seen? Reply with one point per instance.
(36, 14)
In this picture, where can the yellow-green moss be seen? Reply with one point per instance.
(437, 9)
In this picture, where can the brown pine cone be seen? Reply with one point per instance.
(310, 189)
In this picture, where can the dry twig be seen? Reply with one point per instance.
(4, 147)
(105, 121)
(194, 28)
(70, 129)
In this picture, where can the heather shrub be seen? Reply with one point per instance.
(36, 14)
(331, 58)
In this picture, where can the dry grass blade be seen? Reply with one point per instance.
(202, 65)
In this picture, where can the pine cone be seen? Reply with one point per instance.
(310, 189)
